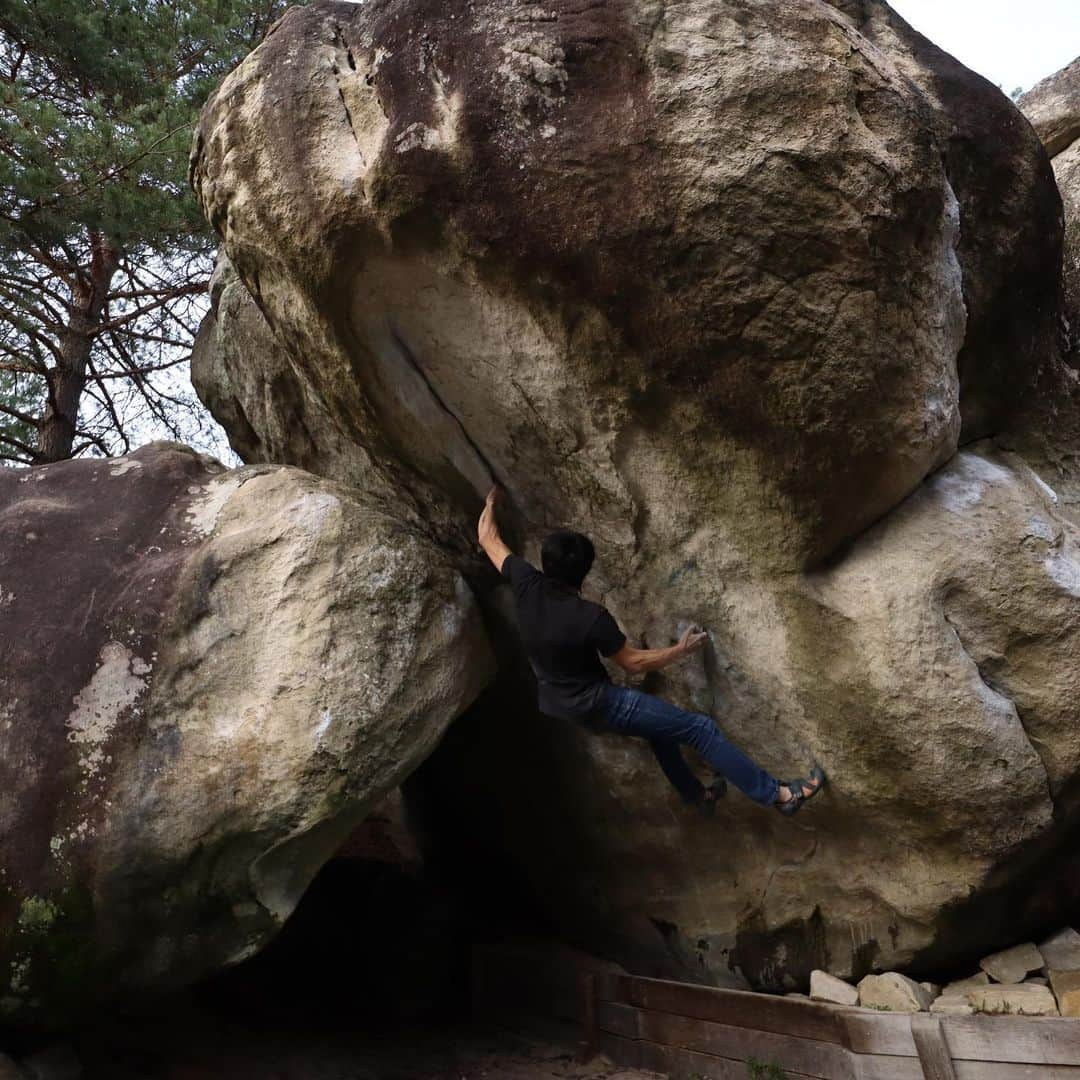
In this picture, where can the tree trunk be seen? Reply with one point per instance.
(56, 435)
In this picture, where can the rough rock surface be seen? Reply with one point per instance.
(1022, 1000)
(952, 1005)
(1012, 965)
(1066, 987)
(826, 987)
(960, 987)
(1053, 107)
(894, 993)
(1061, 951)
(206, 678)
(721, 284)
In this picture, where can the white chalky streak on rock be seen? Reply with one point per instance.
(1041, 529)
(115, 687)
(203, 513)
(1064, 571)
(1050, 493)
(965, 482)
(311, 511)
(124, 466)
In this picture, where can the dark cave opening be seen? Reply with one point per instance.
(374, 961)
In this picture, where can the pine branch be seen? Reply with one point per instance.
(15, 414)
(10, 441)
(118, 427)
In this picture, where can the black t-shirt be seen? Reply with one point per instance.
(563, 634)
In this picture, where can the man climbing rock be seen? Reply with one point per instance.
(565, 636)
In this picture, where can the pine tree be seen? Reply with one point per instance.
(104, 257)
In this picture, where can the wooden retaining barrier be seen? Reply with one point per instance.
(686, 1030)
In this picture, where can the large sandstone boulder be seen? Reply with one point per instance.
(206, 679)
(721, 283)
(1053, 107)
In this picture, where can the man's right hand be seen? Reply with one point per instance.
(488, 531)
(692, 639)
(638, 661)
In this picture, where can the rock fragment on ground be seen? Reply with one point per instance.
(1061, 951)
(952, 1005)
(893, 992)
(1066, 988)
(826, 987)
(1012, 965)
(962, 986)
(1015, 1000)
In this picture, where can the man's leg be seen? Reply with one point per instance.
(670, 759)
(630, 712)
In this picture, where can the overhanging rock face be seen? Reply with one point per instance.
(1053, 107)
(207, 677)
(721, 284)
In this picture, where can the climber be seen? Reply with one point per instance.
(565, 635)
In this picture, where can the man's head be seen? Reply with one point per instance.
(567, 557)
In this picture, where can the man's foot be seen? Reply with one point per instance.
(793, 793)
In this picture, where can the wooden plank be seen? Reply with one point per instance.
(590, 1025)
(879, 1033)
(621, 1020)
(885, 1067)
(503, 983)
(1017, 1039)
(663, 1042)
(996, 1070)
(822, 1060)
(641, 1054)
(738, 1008)
(934, 1056)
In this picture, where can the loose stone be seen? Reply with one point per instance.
(893, 992)
(826, 987)
(1066, 986)
(1016, 1000)
(952, 1005)
(962, 986)
(1061, 951)
(1011, 965)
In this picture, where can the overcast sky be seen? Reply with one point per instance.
(1011, 42)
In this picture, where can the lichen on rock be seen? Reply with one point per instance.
(207, 678)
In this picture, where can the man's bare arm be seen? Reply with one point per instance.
(488, 532)
(638, 661)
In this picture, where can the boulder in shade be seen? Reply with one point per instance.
(207, 679)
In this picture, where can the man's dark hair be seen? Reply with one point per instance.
(567, 557)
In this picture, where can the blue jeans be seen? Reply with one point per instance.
(630, 712)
